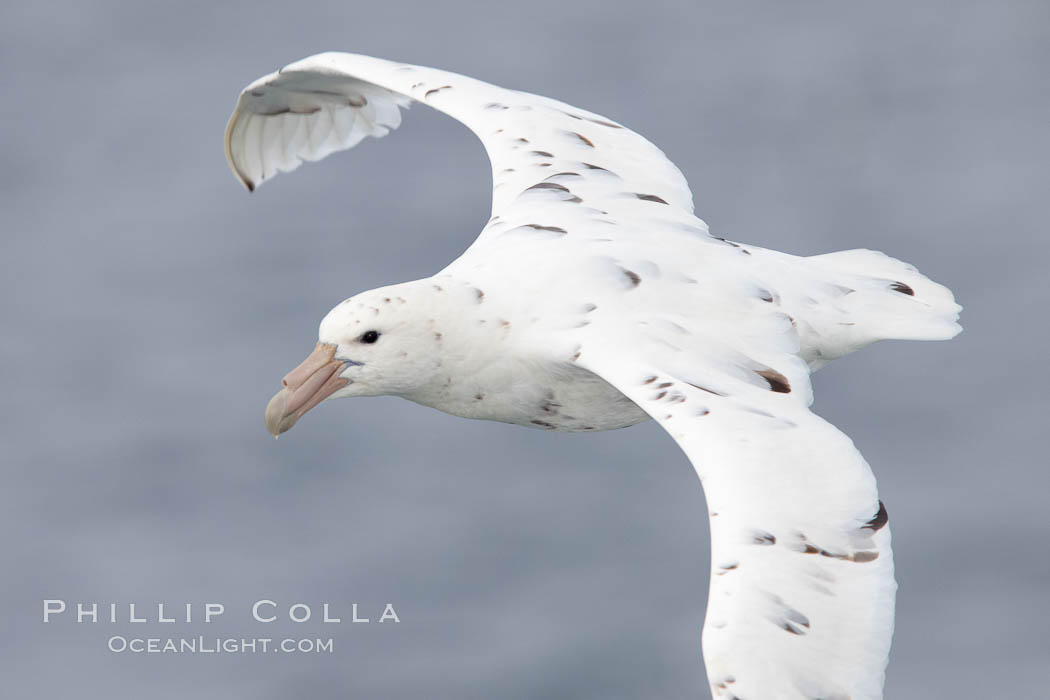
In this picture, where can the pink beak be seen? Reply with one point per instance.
(307, 385)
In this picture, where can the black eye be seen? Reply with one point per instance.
(369, 337)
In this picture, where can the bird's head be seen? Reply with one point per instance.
(383, 342)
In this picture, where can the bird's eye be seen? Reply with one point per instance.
(369, 336)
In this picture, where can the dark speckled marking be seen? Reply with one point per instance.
(583, 138)
(632, 276)
(545, 154)
(480, 294)
(543, 424)
(777, 381)
(702, 388)
(763, 538)
(651, 198)
(858, 557)
(431, 91)
(357, 100)
(496, 105)
(594, 121)
(902, 288)
(548, 186)
(723, 569)
(650, 380)
(880, 519)
(719, 238)
(554, 229)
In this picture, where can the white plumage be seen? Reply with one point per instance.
(593, 299)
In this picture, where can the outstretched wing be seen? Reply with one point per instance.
(331, 101)
(802, 590)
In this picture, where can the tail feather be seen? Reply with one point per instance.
(881, 298)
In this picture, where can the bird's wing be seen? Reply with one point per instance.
(542, 147)
(802, 592)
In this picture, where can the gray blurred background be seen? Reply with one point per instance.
(150, 307)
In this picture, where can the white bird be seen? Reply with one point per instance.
(594, 299)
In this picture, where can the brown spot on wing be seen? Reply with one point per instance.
(593, 121)
(632, 276)
(701, 388)
(777, 381)
(762, 538)
(431, 91)
(651, 198)
(583, 138)
(548, 186)
(719, 238)
(880, 519)
(902, 288)
(537, 227)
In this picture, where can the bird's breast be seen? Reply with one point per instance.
(565, 398)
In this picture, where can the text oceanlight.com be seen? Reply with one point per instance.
(217, 645)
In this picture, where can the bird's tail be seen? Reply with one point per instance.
(880, 298)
